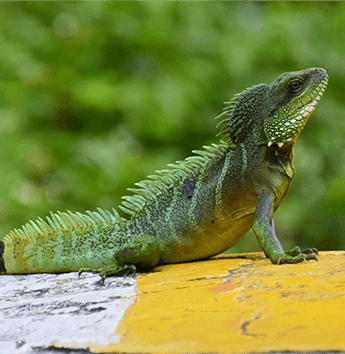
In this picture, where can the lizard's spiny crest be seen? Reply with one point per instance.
(243, 114)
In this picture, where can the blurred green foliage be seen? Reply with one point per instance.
(96, 95)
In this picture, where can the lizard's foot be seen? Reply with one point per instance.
(297, 255)
(108, 270)
(296, 251)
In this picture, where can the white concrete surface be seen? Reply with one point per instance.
(39, 312)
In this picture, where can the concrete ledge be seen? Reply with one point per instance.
(60, 311)
(229, 304)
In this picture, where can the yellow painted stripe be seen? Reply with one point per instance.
(236, 305)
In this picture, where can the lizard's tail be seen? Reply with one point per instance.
(65, 242)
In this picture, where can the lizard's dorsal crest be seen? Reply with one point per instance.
(57, 224)
(150, 189)
(244, 116)
(164, 180)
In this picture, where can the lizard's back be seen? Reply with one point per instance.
(213, 207)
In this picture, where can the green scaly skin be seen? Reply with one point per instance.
(199, 207)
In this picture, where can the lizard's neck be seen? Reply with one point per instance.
(278, 158)
(285, 153)
(259, 146)
(282, 156)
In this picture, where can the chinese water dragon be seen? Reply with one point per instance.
(198, 207)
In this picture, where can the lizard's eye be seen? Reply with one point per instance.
(295, 85)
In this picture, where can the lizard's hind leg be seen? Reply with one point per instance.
(143, 251)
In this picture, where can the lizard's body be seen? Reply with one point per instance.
(199, 208)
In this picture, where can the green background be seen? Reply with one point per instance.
(94, 96)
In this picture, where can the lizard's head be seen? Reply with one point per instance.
(293, 98)
(274, 113)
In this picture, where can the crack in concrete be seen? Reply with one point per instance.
(245, 324)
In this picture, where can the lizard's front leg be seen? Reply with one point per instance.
(264, 230)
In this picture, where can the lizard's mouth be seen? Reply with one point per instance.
(310, 106)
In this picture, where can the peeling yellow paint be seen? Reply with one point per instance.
(235, 304)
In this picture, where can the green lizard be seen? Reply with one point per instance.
(199, 207)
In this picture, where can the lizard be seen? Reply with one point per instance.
(198, 207)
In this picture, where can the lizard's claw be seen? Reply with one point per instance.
(297, 255)
(310, 250)
(296, 251)
(107, 270)
(96, 271)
